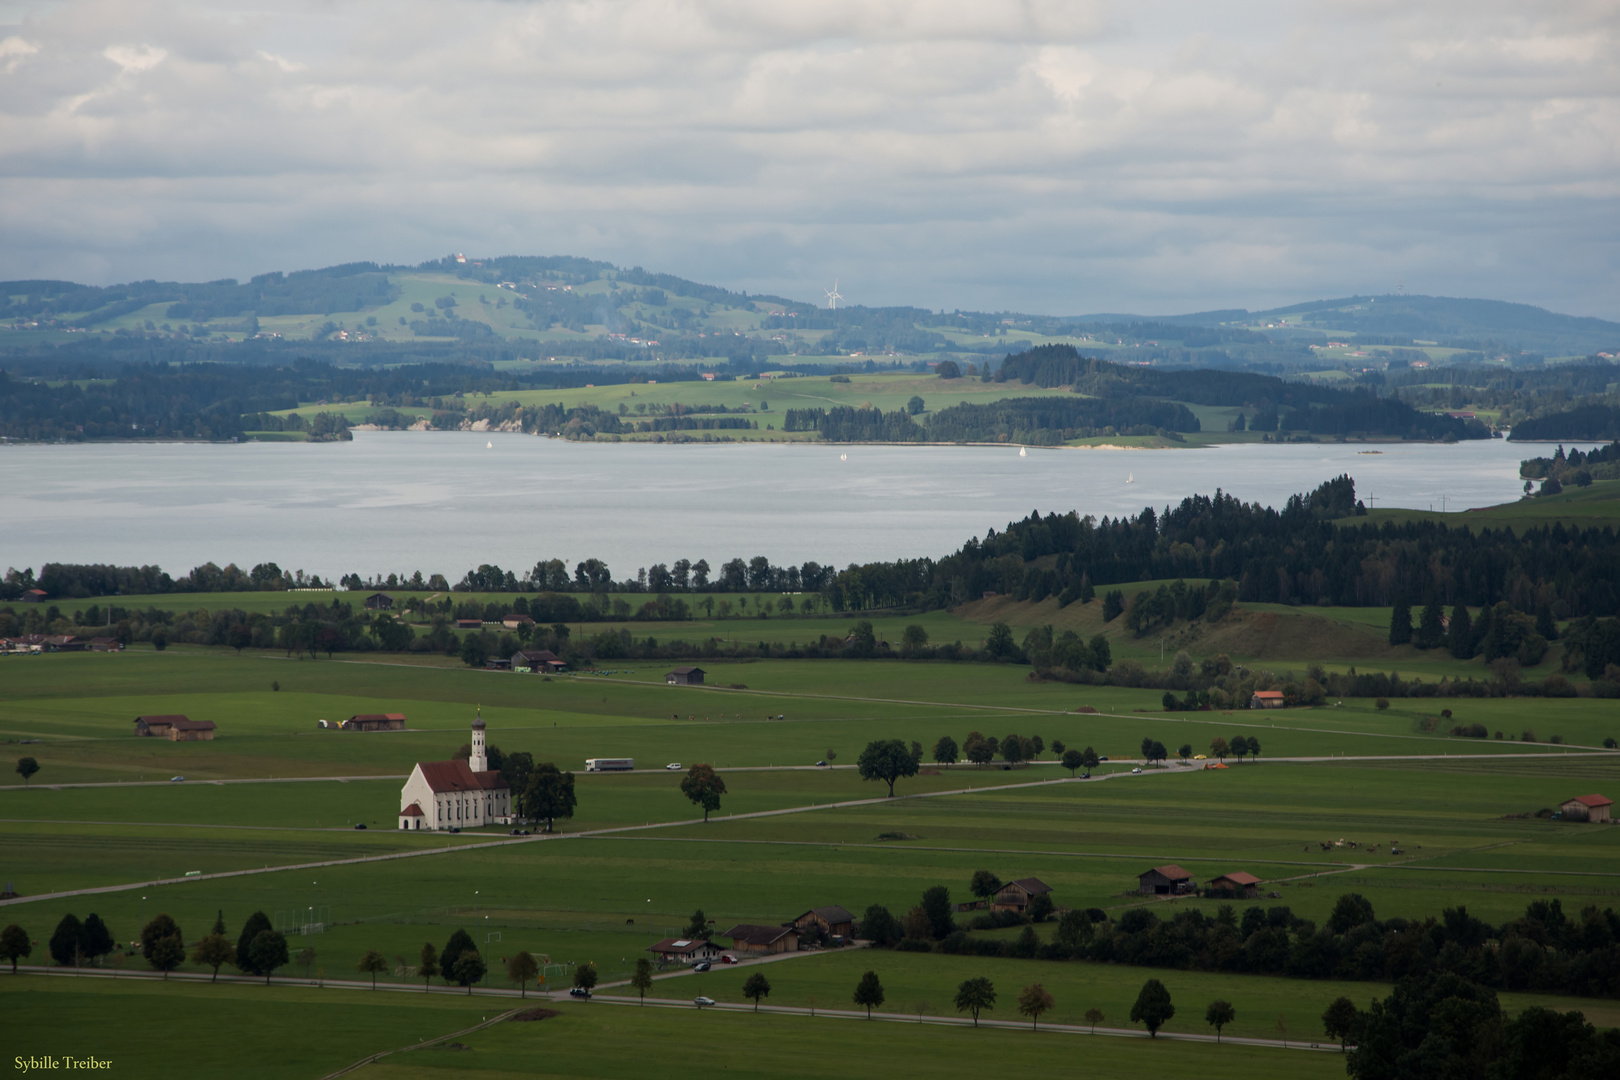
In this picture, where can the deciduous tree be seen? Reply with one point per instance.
(984, 884)
(946, 751)
(1094, 1016)
(14, 945)
(522, 968)
(887, 760)
(268, 951)
(429, 965)
(642, 980)
(1152, 1007)
(1072, 760)
(212, 952)
(869, 992)
(975, 995)
(550, 794)
(1339, 1021)
(256, 924)
(704, 787)
(1218, 1015)
(470, 968)
(372, 963)
(755, 987)
(67, 941)
(26, 768)
(1034, 1000)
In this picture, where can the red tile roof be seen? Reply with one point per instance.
(1268, 693)
(1032, 886)
(378, 716)
(169, 718)
(1592, 802)
(413, 810)
(1173, 872)
(759, 935)
(458, 776)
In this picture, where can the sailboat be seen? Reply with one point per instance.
(489, 446)
(1130, 478)
(1023, 452)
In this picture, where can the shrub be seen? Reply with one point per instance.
(1382, 703)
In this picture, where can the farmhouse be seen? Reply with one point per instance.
(685, 676)
(175, 728)
(380, 601)
(33, 596)
(833, 920)
(537, 662)
(685, 950)
(106, 644)
(1266, 699)
(1169, 880)
(1016, 895)
(746, 937)
(1239, 884)
(456, 794)
(1587, 807)
(392, 721)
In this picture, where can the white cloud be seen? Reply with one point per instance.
(1021, 153)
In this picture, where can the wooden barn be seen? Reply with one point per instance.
(685, 676)
(1168, 880)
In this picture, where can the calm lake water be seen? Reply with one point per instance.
(444, 501)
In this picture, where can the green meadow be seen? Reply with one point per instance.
(274, 791)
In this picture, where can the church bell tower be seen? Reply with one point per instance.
(480, 758)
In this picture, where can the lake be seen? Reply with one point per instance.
(445, 501)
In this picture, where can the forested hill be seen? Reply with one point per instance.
(1273, 403)
(1313, 550)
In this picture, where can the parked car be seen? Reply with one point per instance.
(1137, 769)
(175, 779)
(821, 764)
(729, 959)
(1200, 757)
(673, 766)
(578, 992)
(1103, 758)
(701, 1001)
(701, 965)
(360, 825)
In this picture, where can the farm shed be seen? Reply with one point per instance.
(685, 676)
(834, 920)
(1016, 895)
(174, 727)
(469, 624)
(1168, 880)
(1266, 699)
(393, 721)
(1587, 807)
(1238, 883)
(33, 596)
(537, 661)
(380, 601)
(514, 620)
(746, 937)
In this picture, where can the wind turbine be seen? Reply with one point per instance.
(833, 297)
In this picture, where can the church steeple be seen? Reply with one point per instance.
(480, 757)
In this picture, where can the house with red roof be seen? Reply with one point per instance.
(459, 794)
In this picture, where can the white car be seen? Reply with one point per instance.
(673, 766)
(176, 779)
(702, 1001)
(1137, 769)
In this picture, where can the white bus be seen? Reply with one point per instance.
(609, 764)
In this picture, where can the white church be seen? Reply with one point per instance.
(456, 794)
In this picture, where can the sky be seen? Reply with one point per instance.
(1047, 156)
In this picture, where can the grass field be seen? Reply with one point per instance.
(588, 896)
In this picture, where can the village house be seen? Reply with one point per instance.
(834, 921)
(685, 950)
(106, 644)
(379, 602)
(1169, 880)
(1266, 699)
(685, 676)
(1587, 808)
(746, 937)
(1239, 884)
(456, 794)
(393, 721)
(1016, 895)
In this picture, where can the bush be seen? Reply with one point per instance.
(1470, 731)
(915, 945)
(1382, 703)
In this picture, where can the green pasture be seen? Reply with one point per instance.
(1594, 506)
(250, 1031)
(301, 1031)
(925, 983)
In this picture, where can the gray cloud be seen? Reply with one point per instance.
(1034, 154)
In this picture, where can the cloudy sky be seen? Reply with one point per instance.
(1058, 156)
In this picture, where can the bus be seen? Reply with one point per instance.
(609, 764)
